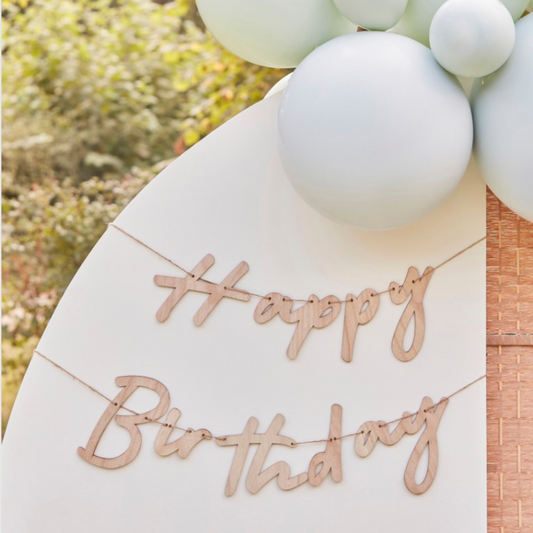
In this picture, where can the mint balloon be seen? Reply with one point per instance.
(503, 119)
(515, 7)
(372, 14)
(273, 33)
(472, 38)
(417, 18)
(372, 132)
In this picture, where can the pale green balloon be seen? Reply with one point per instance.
(515, 7)
(417, 18)
(419, 14)
(273, 33)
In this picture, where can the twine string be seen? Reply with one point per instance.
(224, 437)
(185, 271)
(262, 296)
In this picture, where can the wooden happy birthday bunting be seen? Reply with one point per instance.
(323, 464)
(315, 313)
(359, 310)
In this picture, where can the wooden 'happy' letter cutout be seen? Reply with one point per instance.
(414, 286)
(184, 444)
(129, 422)
(314, 313)
(331, 458)
(193, 282)
(359, 311)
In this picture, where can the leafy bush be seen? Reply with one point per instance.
(95, 93)
(49, 228)
(93, 87)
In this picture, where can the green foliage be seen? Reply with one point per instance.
(93, 87)
(95, 93)
(49, 228)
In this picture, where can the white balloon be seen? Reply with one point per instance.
(515, 7)
(503, 118)
(372, 14)
(279, 86)
(273, 33)
(417, 18)
(472, 38)
(373, 132)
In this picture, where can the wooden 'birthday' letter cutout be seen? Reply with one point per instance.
(184, 444)
(130, 422)
(258, 478)
(429, 439)
(430, 415)
(414, 286)
(315, 313)
(193, 282)
(359, 311)
(330, 460)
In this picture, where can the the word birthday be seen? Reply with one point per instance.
(315, 313)
(323, 464)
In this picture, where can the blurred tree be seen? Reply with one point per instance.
(93, 87)
(95, 93)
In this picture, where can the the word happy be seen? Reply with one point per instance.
(323, 464)
(315, 313)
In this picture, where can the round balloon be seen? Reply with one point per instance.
(515, 7)
(372, 14)
(503, 118)
(273, 33)
(417, 18)
(373, 132)
(472, 38)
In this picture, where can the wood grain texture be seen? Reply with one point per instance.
(257, 477)
(129, 385)
(428, 416)
(360, 310)
(184, 444)
(315, 313)
(413, 288)
(509, 370)
(193, 282)
(330, 461)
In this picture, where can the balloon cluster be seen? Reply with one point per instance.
(374, 128)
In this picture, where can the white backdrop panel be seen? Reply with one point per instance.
(228, 196)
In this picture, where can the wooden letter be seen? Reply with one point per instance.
(429, 439)
(313, 314)
(354, 316)
(370, 432)
(193, 282)
(331, 458)
(184, 444)
(271, 305)
(257, 478)
(414, 286)
(129, 422)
